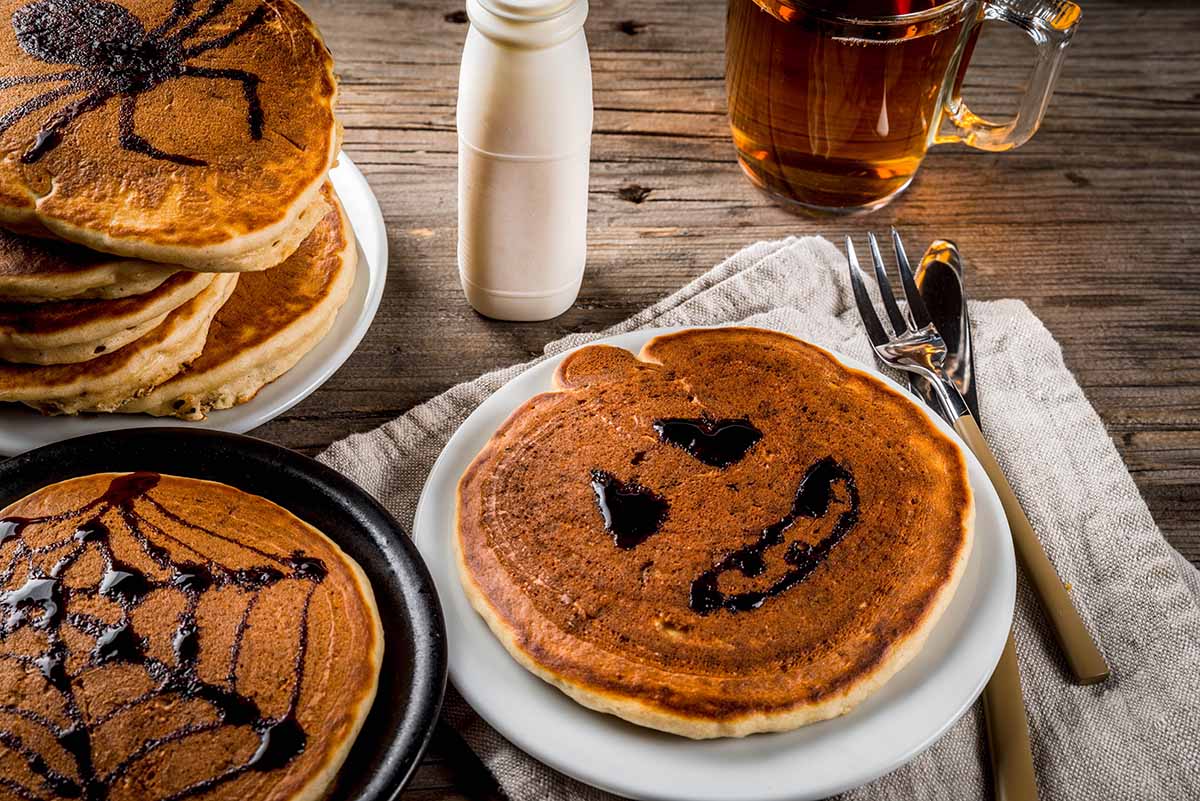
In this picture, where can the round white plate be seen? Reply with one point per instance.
(891, 727)
(22, 428)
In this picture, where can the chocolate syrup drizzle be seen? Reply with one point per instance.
(716, 443)
(631, 512)
(113, 55)
(44, 603)
(813, 499)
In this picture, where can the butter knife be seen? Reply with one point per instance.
(940, 280)
(1083, 658)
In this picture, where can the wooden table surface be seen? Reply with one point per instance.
(1091, 223)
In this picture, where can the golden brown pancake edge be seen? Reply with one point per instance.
(111, 379)
(46, 270)
(63, 323)
(701, 705)
(271, 321)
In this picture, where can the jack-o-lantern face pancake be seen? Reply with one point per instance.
(194, 133)
(731, 533)
(170, 638)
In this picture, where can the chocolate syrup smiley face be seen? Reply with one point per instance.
(632, 513)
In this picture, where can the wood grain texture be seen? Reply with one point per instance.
(1092, 223)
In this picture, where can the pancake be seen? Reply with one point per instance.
(272, 253)
(731, 533)
(42, 270)
(70, 331)
(272, 319)
(182, 133)
(183, 638)
(106, 382)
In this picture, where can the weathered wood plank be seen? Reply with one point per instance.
(1091, 224)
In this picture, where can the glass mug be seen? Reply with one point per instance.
(834, 110)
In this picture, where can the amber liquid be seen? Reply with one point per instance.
(833, 116)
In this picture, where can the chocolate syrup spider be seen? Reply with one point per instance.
(113, 55)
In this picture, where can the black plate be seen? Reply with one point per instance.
(413, 677)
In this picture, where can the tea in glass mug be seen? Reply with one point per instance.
(834, 103)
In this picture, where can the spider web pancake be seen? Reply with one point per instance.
(169, 638)
(195, 133)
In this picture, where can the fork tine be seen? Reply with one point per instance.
(916, 305)
(899, 324)
(866, 310)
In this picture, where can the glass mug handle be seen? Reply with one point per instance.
(1050, 24)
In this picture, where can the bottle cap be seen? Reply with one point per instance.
(527, 10)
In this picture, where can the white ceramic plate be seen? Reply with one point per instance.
(895, 724)
(22, 429)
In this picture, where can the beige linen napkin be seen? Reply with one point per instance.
(1137, 737)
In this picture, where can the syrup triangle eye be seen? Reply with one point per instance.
(716, 443)
(631, 512)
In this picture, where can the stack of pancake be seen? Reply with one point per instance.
(169, 239)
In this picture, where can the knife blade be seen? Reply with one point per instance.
(940, 280)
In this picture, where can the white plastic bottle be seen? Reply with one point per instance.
(524, 141)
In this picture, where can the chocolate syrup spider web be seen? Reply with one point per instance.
(281, 738)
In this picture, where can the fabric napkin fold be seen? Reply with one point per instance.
(1136, 737)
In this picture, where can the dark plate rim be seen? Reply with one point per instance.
(27, 472)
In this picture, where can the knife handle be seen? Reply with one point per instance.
(1083, 657)
(1008, 731)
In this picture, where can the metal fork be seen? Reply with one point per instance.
(917, 347)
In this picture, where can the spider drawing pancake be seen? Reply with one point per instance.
(170, 638)
(729, 533)
(140, 113)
